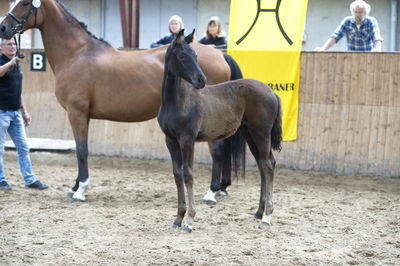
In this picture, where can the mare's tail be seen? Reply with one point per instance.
(236, 73)
(235, 145)
(276, 132)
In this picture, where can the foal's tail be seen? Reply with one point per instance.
(236, 144)
(276, 132)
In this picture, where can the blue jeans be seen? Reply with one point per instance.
(11, 122)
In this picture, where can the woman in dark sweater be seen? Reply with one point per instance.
(215, 35)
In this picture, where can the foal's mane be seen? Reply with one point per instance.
(82, 24)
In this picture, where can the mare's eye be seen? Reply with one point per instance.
(26, 3)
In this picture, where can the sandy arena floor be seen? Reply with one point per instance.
(319, 218)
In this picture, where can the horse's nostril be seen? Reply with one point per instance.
(3, 28)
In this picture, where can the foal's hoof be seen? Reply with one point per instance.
(187, 228)
(266, 221)
(264, 224)
(258, 216)
(175, 226)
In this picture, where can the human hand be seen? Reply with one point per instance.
(27, 118)
(14, 61)
(376, 49)
(319, 49)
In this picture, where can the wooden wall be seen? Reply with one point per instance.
(349, 117)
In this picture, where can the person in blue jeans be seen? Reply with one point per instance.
(13, 115)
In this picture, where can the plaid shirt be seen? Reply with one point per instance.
(358, 39)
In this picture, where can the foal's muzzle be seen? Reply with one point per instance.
(199, 81)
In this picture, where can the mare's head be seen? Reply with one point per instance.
(181, 61)
(22, 16)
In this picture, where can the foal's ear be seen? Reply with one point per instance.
(189, 38)
(180, 37)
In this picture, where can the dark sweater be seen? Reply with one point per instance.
(165, 40)
(10, 87)
(218, 42)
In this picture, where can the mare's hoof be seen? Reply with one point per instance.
(209, 198)
(70, 193)
(78, 196)
(75, 200)
(187, 228)
(222, 193)
(210, 202)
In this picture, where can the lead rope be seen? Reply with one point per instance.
(18, 54)
(18, 43)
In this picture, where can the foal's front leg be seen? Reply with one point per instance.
(175, 152)
(187, 151)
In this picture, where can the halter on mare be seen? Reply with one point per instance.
(18, 28)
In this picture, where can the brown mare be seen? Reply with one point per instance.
(94, 80)
(188, 114)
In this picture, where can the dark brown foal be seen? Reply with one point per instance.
(188, 114)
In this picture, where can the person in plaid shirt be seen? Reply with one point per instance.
(361, 31)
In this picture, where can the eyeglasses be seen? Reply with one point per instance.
(10, 44)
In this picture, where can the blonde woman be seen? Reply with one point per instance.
(175, 25)
(215, 35)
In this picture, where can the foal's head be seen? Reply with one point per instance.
(181, 61)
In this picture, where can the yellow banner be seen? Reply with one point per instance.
(265, 39)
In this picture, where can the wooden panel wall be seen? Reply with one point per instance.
(349, 117)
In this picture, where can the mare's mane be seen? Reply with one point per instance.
(82, 24)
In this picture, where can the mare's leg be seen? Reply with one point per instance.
(226, 174)
(216, 151)
(260, 147)
(175, 152)
(187, 149)
(80, 124)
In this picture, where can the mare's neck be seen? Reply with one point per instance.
(63, 37)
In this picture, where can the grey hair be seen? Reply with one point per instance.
(360, 4)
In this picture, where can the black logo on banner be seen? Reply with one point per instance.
(259, 10)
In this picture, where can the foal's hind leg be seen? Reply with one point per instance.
(260, 147)
(175, 152)
(80, 124)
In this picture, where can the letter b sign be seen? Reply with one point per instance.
(38, 61)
